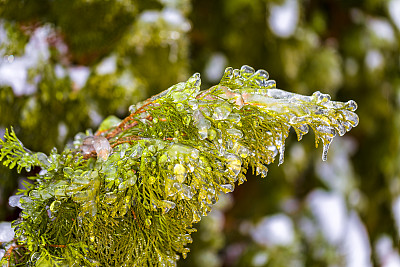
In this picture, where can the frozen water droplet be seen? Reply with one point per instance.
(222, 112)
(351, 105)
(274, 150)
(194, 80)
(351, 117)
(246, 71)
(180, 172)
(262, 170)
(196, 216)
(241, 150)
(227, 188)
(316, 95)
(236, 74)
(303, 128)
(228, 72)
(263, 74)
(14, 201)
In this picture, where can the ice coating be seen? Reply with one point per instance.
(326, 117)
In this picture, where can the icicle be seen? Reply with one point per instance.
(281, 153)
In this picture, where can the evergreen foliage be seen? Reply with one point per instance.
(129, 194)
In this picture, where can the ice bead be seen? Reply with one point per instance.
(246, 71)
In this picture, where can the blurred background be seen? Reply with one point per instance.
(67, 64)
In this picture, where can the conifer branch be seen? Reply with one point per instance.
(131, 193)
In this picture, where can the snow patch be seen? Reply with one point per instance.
(373, 59)
(107, 65)
(356, 244)
(274, 230)
(283, 19)
(215, 67)
(329, 208)
(394, 11)
(14, 70)
(396, 213)
(382, 29)
(79, 75)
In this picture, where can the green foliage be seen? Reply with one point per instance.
(130, 194)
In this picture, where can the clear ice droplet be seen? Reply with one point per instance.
(246, 71)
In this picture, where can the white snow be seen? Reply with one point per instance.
(95, 116)
(382, 29)
(373, 59)
(356, 244)
(149, 16)
(59, 71)
(351, 66)
(394, 11)
(62, 132)
(337, 173)
(175, 18)
(276, 230)
(14, 70)
(79, 75)
(107, 65)
(283, 19)
(329, 208)
(396, 213)
(386, 255)
(172, 16)
(260, 258)
(215, 67)
(6, 232)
